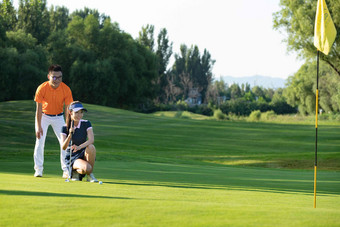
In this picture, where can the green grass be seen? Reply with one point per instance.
(172, 171)
(182, 114)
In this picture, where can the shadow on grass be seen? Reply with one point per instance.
(223, 178)
(50, 194)
(249, 186)
(171, 185)
(186, 176)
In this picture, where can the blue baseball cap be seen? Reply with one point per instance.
(76, 107)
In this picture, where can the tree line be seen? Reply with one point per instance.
(104, 65)
(296, 19)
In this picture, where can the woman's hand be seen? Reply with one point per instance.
(75, 148)
(71, 130)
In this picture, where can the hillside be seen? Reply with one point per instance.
(168, 171)
(125, 135)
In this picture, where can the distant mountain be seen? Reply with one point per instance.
(263, 81)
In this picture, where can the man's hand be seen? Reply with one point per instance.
(39, 133)
(38, 115)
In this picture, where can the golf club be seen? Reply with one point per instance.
(70, 148)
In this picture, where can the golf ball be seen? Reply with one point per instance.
(100, 182)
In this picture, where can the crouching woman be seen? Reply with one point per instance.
(79, 132)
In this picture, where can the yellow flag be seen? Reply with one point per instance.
(324, 31)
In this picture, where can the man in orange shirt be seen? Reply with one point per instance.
(50, 98)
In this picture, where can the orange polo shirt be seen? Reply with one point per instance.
(53, 99)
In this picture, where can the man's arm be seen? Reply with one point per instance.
(66, 112)
(66, 109)
(38, 114)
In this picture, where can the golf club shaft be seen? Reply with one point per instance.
(70, 146)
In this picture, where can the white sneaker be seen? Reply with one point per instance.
(65, 174)
(91, 178)
(75, 176)
(38, 173)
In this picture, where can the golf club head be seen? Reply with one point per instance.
(67, 180)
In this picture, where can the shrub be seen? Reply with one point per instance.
(182, 105)
(219, 115)
(268, 115)
(283, 108)
(255, 115)
(205, 110)
(179, 114)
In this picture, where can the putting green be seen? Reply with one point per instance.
(161, 171)
(159, 194)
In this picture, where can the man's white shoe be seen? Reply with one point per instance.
(38, 173)
(91, 178)
(65, 175)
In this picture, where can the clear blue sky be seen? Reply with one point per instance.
(237, 33)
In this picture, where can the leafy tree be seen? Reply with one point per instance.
(91, 32)
(235, 91)
(279, 103)
(8, 15)
(212, 94)
(101, 82)
(329, 87)
(146, 37)
(258, 92)
(59, 18)
(221, 87)
(2, 33)
(163, 52)
(60, 51)
(206, 75)
(247, 88)
(301, 88)
(297, 19)
(87, 11)
(190, 63)
(8, 61)
(107, 55)
(75, 30)
(278, 96)
(218, 92)
(268, 94)
(33, 18)
(249, 96)
(243, 103)
(299, 91)
(20, 40)
(114, 40)
(23, 65)
(172, 91)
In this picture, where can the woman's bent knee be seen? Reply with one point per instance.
(88, 169)
(81, 171)
(90, 149)
(85, 169)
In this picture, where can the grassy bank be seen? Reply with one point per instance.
(172, 171)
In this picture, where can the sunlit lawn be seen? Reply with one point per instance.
(168, 171)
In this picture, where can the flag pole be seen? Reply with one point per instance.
(316, 125)
(324, 37)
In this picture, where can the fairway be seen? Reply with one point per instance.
(162, 171)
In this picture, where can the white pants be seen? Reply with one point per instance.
(57, 123)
